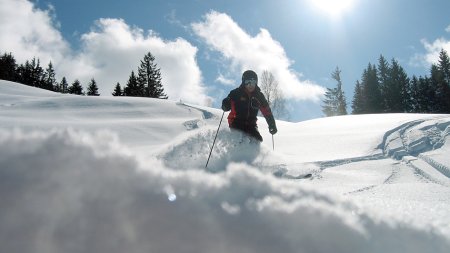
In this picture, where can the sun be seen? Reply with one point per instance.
(334, 8)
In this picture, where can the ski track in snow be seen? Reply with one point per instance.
(408, 140)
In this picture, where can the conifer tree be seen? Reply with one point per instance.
(117, 90)
(358, 99)
(63, 86)
(24, 73)
(444, 66)
(436, 82)
(8, 67)
(414, 102)
(76, 88)
(420, 95)
(341, 99)
(396, 92)
(429, 94)
(31, 73)
(335, 102)
(329, 107)
(383, 79)
(92, 89)
(49, 79)
(37, 73)
(371, 91)
(149, 78)
(443, 82)
(132, 89)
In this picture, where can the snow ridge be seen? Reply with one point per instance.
(416, 138)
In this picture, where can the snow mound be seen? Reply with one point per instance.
(192, 151)
(415, 137)
(425, 141)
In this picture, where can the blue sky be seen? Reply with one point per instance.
(202, 47)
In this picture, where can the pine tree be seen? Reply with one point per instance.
(31, 73)
(438, 87)
(149, 78)
(414, 103)
(117, 90)
(341, 99)
(92, 89)
(131, 89)
(8, 67)
(396, 91)
(383, 78)
(444, 66)
(429, 93)
(24, 73)
(371, 92)
(335, 102)
(405, 90)
(49, 79)
(443, 89)
(63, 86)
(76, 88)
(37, 73)
(358, 99)
(329, 107)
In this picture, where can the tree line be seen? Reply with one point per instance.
(383, 88)
(148, 82)
(386, 88)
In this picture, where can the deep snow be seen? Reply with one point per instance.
(110, 174)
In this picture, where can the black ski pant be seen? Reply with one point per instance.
(250, 129)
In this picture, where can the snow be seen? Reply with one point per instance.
(120, 174)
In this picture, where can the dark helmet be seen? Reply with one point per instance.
(249, 74)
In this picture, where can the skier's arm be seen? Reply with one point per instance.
(267, 113)
(226, 104)
(269, 119)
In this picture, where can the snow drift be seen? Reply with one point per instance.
(82, 174)
(92, 196)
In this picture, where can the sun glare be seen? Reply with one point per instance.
(333, 8)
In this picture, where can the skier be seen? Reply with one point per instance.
(244, 103)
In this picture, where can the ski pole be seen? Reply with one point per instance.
(273, 143)
(214, 139)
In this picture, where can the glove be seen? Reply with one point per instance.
(272, 126)
(226, 104)
(273, 130)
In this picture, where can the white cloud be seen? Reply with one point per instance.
(434, 48)
(109, 52)
(432, 51)
(226, 81)
(259, 53)
(114, 49)
(28, 32)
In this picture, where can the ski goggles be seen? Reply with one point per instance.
(251, 82)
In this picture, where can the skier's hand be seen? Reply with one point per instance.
(226, 104)
(273, 130)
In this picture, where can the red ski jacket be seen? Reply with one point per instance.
(244, 107)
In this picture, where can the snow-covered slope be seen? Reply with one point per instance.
(110, 174)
